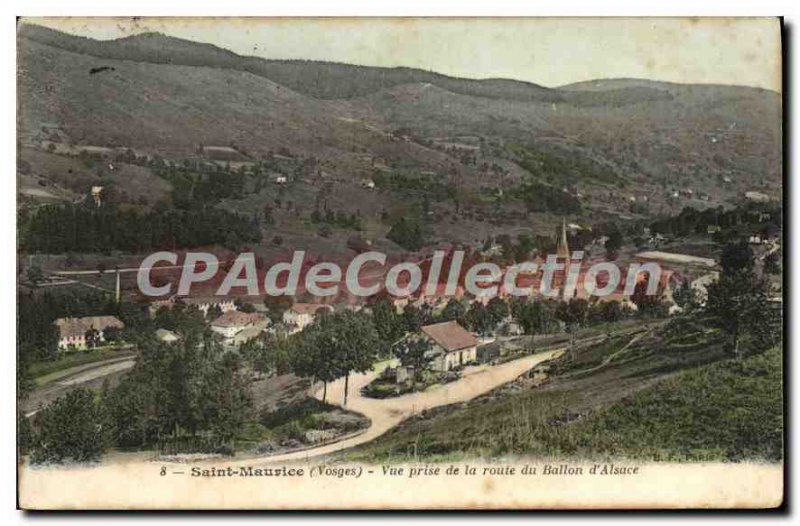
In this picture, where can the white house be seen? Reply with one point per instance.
(72, 331)
(302, 314)
(453, 345)
(206, 302)
(233, 322)
(278, 178)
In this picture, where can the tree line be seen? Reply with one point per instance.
(541, 198)
(752, 218)
(63, 228)
(189, 394)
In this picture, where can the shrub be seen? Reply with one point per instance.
(69, 429)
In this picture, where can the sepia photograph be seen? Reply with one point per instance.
(400, 263)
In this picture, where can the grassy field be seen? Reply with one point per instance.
(665, 395)
(731, 410)
(44, 372)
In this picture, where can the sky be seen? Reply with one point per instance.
(547, 51)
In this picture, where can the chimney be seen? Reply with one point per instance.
(562, 248)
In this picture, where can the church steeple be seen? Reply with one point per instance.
(562, 248)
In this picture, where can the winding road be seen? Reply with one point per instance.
(383, 414)
(387, 413)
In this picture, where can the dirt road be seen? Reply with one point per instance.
(88, 375)
(386, 414)
(383, 414)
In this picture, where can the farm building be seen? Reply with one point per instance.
(73, 331)
(453, 345)
(233, 322)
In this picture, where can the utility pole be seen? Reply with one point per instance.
(118, 295)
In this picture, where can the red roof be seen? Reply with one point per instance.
(237, 319)
(450, 336)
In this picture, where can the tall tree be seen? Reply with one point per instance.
(574, 314)
(613, 243)
(312, 358)
(455, 310)
(649, 305)
(414, 352)
(350, 340)
(498, 309)
(736, 257)
(413, 318)
(533, 318)
(479, 319)
(389, 324)
(686, 297)
(268, 354)
(739, 305)
(177, 390)
(606, 311)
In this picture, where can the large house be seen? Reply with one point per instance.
(301, 315)
(453, 345)
(232, 323)
(73, 331)
(204, 303)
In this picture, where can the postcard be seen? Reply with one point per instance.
(400, 263)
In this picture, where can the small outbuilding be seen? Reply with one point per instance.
(166, 336)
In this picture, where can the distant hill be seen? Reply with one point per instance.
(324, 80)
(613, 142)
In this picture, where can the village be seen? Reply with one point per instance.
(486, 258)
(239, 319)
(449, 331)
(431, 336)
(400, 263)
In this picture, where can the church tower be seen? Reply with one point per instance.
(563, 256)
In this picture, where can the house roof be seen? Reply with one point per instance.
(202, 300)
(308, 308)
(72, 327)
(166, 335)
(450, 336)
(237, 319)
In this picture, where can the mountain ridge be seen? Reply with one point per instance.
(319, 82)
(626, 151)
